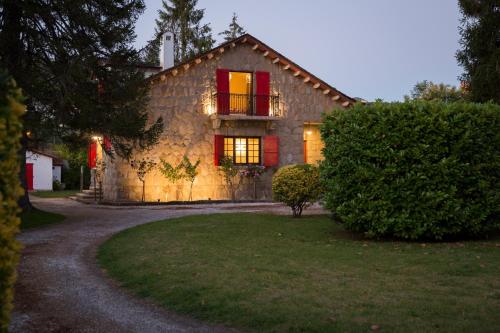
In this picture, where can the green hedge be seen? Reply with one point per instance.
(11, 110)
(414, 170)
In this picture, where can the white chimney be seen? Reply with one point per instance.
(167, 50)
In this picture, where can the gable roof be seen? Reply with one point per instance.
(274, 56)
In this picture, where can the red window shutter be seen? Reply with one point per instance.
(218, 149)
(271, 150)
(262, 92)
(92, 155)
(222, 91)
(107, 143)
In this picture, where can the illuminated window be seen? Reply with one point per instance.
(242, 150)
(240, 90)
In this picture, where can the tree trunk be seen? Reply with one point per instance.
(143, 198)
(24, 200)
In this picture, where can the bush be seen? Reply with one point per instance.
(414, 170)
(297, 186)
(11, 110)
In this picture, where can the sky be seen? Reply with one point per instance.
(364, 48)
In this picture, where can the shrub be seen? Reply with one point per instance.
(297, 186)
(414, 170)
(11, 109)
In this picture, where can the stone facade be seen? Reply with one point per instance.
(184, 102)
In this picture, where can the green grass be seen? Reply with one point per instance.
(54, 194)
(278, 274)
(37, 218)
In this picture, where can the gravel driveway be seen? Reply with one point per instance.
(61, 289)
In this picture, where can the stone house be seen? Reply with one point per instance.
(242, 99)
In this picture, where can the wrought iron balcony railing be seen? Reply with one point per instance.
(245, 104)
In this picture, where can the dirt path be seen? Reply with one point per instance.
(61, 289)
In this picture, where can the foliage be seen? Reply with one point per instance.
(190, 173)
(11, 110)
(77, 70)
(172, 173)
(76, 159)
(414, 170)
(429, 91)
(191, 36)
(231, 175)
(57, 185)
(297, 186)
(234, 31)
(480, 48)
(142, 167)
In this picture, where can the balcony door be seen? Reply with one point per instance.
(240, 92)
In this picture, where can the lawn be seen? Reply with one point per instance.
(37, 218)
(279, 274)
(54, 194)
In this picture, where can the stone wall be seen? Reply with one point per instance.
(184, 103)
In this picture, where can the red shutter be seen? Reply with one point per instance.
(222, 91)
(218, 149)
(92, 155)
(107, 143)
(262, 91)
(271, 150)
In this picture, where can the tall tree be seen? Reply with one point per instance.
(235, 30)
(191, 36)
(429, 91)
(480, 48)
(75, 62)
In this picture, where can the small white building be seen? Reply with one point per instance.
(40, 171)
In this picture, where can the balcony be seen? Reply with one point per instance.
(241, 106)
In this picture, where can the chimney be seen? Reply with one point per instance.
(167, 50)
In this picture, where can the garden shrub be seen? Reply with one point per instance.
(414, 170)
(297, 186)
(11, 109)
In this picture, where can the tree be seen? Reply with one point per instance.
(231, 174)
(142, 167)
(75, 62)
(480, 48)
(173, 174)
(190, 173)
(11, 111)
(191, 36)
(429, 91)
(235, 30)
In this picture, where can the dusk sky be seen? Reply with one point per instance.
(364, 48)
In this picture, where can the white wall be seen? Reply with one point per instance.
(42, 170)
(56, 173)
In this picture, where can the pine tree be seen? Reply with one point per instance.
(480, 52)
(235, 30)
(75, 63)
(191, 36)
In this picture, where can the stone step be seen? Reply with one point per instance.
(90, 191)
(84, 200)
(86, 195)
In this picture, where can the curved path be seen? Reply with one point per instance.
(61, 289)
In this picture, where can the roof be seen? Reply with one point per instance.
(55, 160)
(274, 56)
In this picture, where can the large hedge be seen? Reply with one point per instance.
(11, 109)
(414, 170)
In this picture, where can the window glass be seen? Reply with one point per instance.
(242, 150)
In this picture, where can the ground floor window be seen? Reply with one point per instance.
(243, 150)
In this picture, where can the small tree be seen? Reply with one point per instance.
(173, 174)
(231, 175)
(253, 172)
(297, 186)
(190, 173)
(142, 167)
(98, 177)
(235, 30)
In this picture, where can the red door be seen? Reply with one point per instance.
(29, 176)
